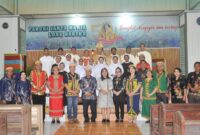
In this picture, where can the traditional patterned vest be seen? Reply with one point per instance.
(131, 85)
(38, 79)
(73, 83)
(162, 81)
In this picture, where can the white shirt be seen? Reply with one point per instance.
(80, 71)
(47, 62)
(147, 55)
(75, 57)
(67, 63)
(98, 69)
(112, 68)
(93, 70)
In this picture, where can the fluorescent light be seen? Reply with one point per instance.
(77, 20)
(126, 19)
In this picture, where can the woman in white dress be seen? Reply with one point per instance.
(105, 100)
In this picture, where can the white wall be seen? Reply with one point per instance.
(93, 6)
(193, 39)
(8, 38)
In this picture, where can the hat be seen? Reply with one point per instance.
(160, 63)
(38, 62)
(9, 69)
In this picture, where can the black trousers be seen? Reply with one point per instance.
(93, 107)
(11, 102)
(194, 98)
(119, 106)
(65, 98)
(40, 100)
(160, 97)
(177, 100)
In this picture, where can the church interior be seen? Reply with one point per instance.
(99, 67)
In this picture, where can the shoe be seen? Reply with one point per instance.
(70, 120)
(121, 120)
(93, 120)
(75, 121)
(53, 121)
(104, 120)
(58, 121)
(86, 121)
(117, 120)
(108, 120)
(148, 121)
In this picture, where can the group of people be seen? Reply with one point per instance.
(101, 81)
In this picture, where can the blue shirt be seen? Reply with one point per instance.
(23, 91)
(7, 89)
(88, 85)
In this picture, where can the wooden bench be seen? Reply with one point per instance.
(187, 123)
(166, 112)
(154, 119)
(18, 119)
(3, 125)
(37, 119)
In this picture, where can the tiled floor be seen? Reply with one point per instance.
(140, 128)
(98, 129)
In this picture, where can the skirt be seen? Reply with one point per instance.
(135, 103)
(105, 101)
(146, 105)
(56, 105)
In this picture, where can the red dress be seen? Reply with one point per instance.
(56, 99)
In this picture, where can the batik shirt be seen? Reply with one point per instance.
(177, 86)
(119, 83)
(88, 85)
(23, 91)
(194, 79)
(7, 89)
(125, 66)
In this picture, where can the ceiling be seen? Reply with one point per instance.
(31, 9)
(38, 16)
(4, 11)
